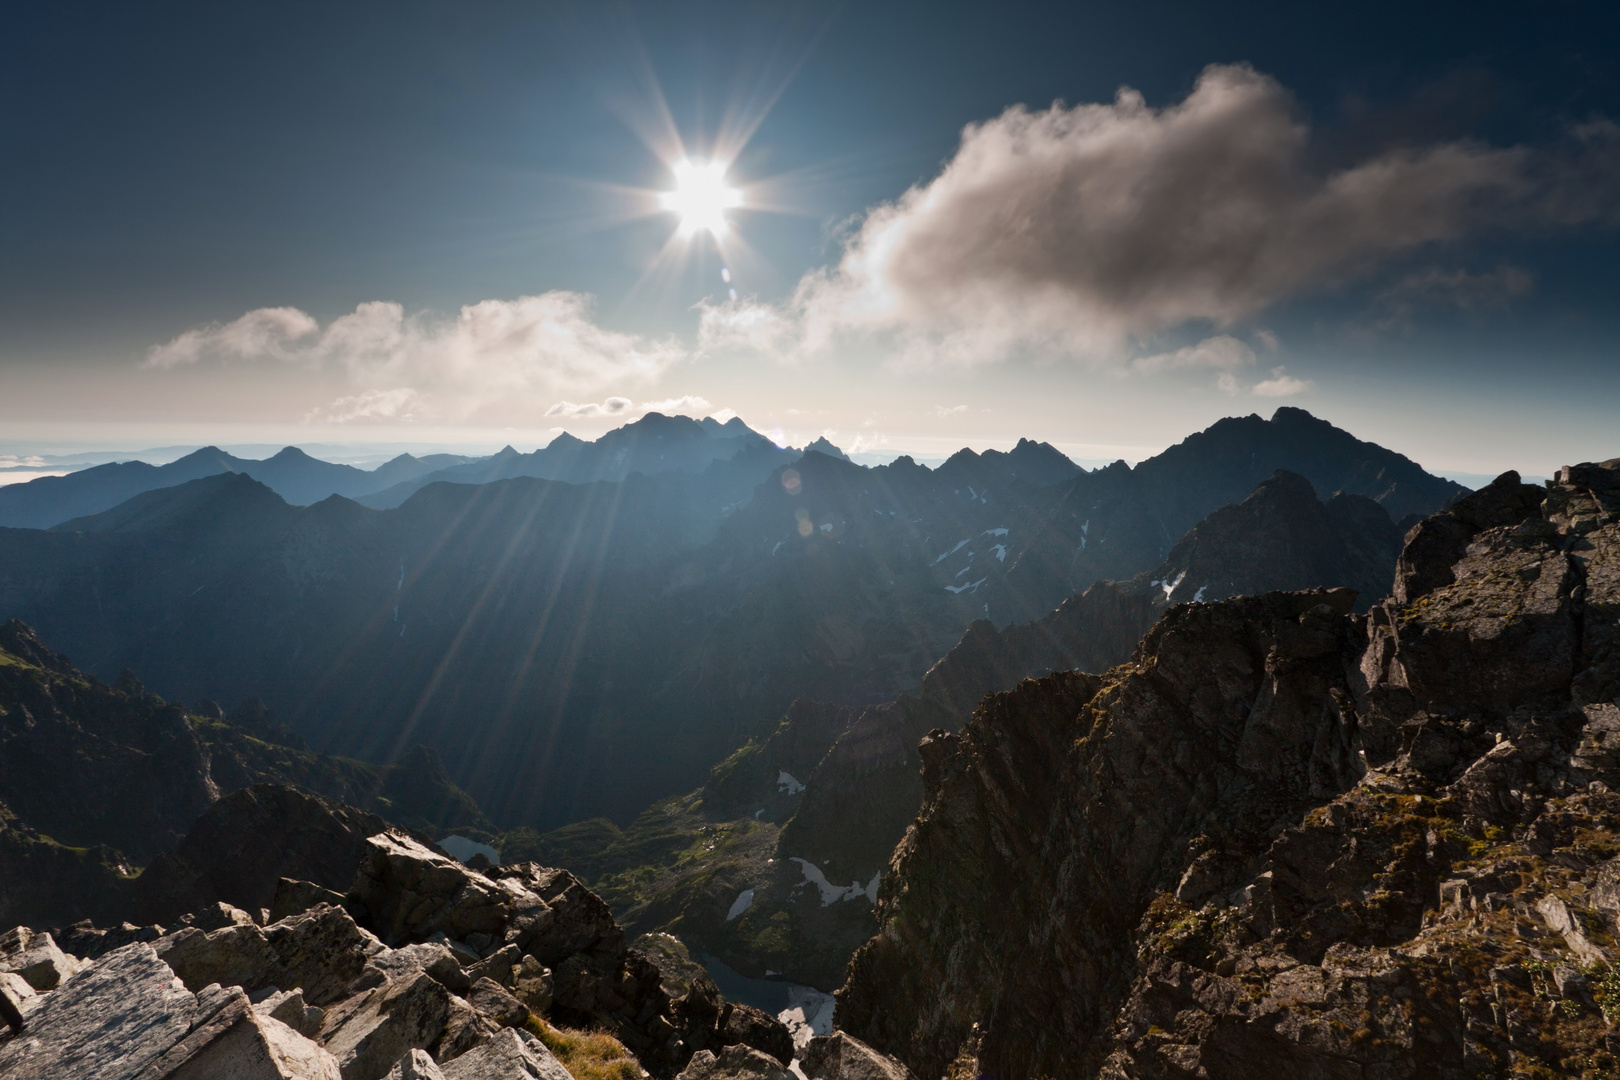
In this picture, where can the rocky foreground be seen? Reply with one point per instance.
(1289, 839)
(424, 969)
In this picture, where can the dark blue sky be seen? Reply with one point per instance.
(171, 166)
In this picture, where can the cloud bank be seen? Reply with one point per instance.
(1086, 231)
(492, 351)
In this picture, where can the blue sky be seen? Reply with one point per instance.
(1402, 220)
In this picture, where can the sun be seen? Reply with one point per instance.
(701, 197)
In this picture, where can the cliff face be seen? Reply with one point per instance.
(1285, 835)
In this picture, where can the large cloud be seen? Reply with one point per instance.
(1086, 231)
(492, 351)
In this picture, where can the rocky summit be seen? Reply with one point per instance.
(424, 968)
(1288, 836)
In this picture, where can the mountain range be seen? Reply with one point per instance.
(580, 649)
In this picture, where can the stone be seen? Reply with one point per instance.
(464, 1028)
(234, 955)
(321, 951)
(736, 1062)
(411, 893)
(35, 956)
(215, 916)
(416, 1065)
(841, 1056)
(243, 1044)
(508, 1056)
(498, 965)
(532, 985)
(371, 1031)
(109, 1021)
(430, 957)
(291, 1009)
(758, 1029)
(87, 942)
(490, 998)
(293, 897)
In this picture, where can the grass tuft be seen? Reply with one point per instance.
(587, 1055)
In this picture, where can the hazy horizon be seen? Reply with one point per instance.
(1099, 228)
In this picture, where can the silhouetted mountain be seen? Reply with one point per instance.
(582, 649)
(822, 446)
(651, 445)
(292, 474)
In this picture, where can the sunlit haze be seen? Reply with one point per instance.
(908, 229)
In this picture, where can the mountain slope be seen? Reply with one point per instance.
(1288, 836)
(830, 790)
(576, 650)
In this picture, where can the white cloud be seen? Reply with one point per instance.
(1222, 353)
(396, 404)
(685, 405)
(1282, 385)
(1084, 231)
(590, 410)
(493, 351)
(272, 332)
(949, 410)
(1267, 340)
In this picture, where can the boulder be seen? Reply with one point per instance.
(737, 1062)
(498, 966)
(241, 1043)
(322, 951)
(215, 916)
(247, 842)
(109, 1022)
(35, 957)
(431, 957)
(416, 1065)
(510, 1055)
(841, 1056)
(291, 1009)
(230, 956)
(531, 984)
(410, 893)
(464, 1028)
(759, 1029)
(87, 942)
(293, 896)
(491, 999)
(371, 1031)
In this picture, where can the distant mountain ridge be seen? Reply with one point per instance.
(582, 649)
(292, 474)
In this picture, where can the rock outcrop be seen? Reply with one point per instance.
(1288, 837)
(317, 994)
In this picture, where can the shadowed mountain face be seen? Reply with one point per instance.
(94, 778)
(582, 649)
(826, 796)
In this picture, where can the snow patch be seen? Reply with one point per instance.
(778, 546)
(995, 532)
(830, 893)
(1000, 550)
(809, 1013)
(1170, 586)
(972, 586)
(951, 552)
(964, 569)
(786, 784)
(744, 901)
(827, 527)
(1198, 597)
(462, 848)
